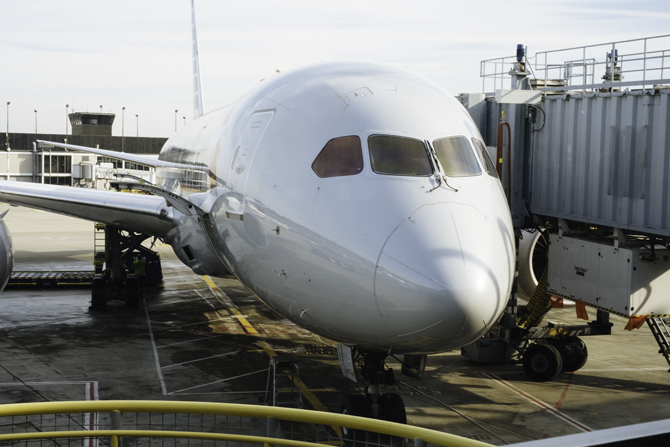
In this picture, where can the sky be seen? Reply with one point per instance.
(137, 54)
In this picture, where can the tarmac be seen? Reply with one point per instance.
(209, 339)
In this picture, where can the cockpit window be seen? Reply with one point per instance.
(340, 156)
(456, 157)
(485, 157)
(392, 155)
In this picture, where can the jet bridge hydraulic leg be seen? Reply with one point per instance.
(544, 351)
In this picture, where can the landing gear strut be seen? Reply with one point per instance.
(116, 282)
(377, 402)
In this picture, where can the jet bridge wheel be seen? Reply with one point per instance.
(542, 362)
(355, 405)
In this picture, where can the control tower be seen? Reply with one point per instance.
(92, 123)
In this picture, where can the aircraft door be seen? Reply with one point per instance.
(241, 162)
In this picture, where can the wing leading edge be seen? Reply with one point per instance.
(141, 159)
(133, 212)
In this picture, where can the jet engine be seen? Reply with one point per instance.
(6, 254)
(533, 249)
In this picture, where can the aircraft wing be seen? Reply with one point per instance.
(134, 212)
(135, 158)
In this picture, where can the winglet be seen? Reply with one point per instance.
(197, 87)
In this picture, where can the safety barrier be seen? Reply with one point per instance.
(149, 423)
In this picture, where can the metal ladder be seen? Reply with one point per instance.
(286, 392)
(662, 335)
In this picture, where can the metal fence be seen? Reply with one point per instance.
(630, 63)
(169, 423)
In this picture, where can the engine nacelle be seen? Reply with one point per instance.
(533, 249)
(6, 254)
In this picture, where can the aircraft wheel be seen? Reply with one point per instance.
(98, 295)
(577, 359)
(542, 362)
(355, 405)
(392, 408)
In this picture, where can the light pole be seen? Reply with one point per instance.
(67, 106)
(175, 119)
(35, 122)
(137, 125)
(7, 133)
(123, 125)
(184, 120)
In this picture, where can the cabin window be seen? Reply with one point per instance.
(340, 156)
(456, 157)
(485, 158)
(390, 155)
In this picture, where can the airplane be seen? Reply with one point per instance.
(356, 200)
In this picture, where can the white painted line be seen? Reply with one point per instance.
(204, 298)
(199, 360)
(218, 381)
(188, 341)
(78, 382)
(535, 401)
(153, 346)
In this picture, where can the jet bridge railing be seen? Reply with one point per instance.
(107, 423)
(637, 63)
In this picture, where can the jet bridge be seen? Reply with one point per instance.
(582, 142)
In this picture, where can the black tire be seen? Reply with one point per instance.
(132, 293)
(542, 362)
(98, 293)
(577, 359)
(355, 405)
(392, 408)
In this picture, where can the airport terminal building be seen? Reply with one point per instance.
(21, 159)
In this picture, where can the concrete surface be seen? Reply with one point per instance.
(191, 340)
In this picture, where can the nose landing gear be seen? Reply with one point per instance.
(377, 402)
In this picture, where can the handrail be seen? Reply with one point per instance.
(209, 408)
(155, 434)
(643, 61)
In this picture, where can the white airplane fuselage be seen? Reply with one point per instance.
(400, 263)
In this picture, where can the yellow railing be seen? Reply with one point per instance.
(267, 417)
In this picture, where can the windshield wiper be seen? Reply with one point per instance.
(439, 172)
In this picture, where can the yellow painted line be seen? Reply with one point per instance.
(239, 316)
(309, 394)
(243, 321)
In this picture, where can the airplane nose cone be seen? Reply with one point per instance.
(444, 275)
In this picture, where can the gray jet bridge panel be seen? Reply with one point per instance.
(604, 158)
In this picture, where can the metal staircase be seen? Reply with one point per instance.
(662, 335)
(285, 376)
